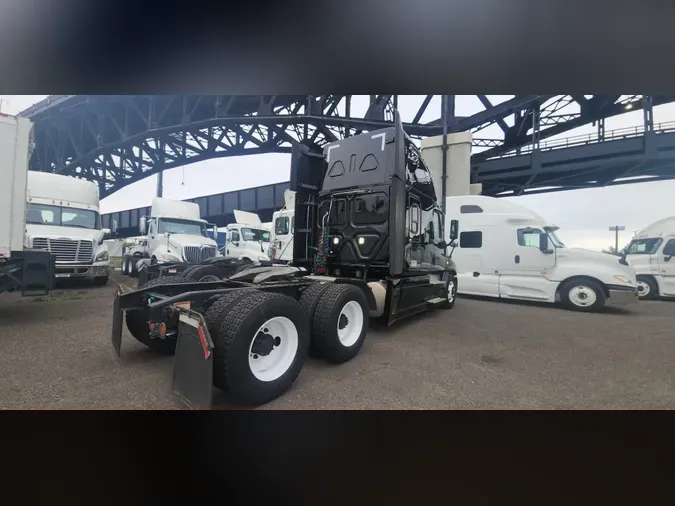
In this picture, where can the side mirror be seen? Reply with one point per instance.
(454, 230)
(142, 224)
(113, 226)
(543, 244)
(106, 232)
(215, 232)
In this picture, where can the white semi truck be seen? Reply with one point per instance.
(651, 252)
(247, 239)
(173, 233)
(31, 272)
(63, 217)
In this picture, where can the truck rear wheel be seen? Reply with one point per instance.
(309, 300)
(260, 346)
(583, 295)
(138, 324)
(203, 273)
(340, 323)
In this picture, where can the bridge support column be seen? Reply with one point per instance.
(160, 183)
(458, 174)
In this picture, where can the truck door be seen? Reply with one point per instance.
(233, 247)
(282, 235)
(475, 261)
(666, 266)
(153, 236)
(521, 275)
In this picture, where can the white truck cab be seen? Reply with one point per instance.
(507, 251)
(62, 216)
(247, 239)
(281, 245)
(651, 253)
(175, 233)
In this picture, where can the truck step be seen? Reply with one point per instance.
(436, 300)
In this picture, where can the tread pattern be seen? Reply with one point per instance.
(137, 321)
(309, 300)
(229, 329)
(215, 308)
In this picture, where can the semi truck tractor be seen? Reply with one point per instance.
(369, 243)
(247, 239)
(63, 217)
(174, 233)
(22, 269)
(651, 253)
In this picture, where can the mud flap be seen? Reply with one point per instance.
(193, 364)
(118, 317)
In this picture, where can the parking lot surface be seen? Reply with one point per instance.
(56, 353)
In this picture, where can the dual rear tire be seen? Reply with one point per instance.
(262, 339)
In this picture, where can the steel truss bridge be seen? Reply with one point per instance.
(116, 140)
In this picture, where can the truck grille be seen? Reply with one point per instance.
(66, 250)
(197, 254)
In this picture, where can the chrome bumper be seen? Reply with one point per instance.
(623, 297)
(81, 271)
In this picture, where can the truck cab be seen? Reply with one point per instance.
(62, 217)
(247, 239)
(507, 251)
(651, 253)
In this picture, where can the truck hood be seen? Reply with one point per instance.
(189, 240)
(55, 232)
(596, 257)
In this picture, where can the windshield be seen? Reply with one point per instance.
(554, 237)
(187, 227)
(643, 246)
(254, 234)
(39, 214)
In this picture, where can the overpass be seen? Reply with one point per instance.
(627, 155)
(587, 161)
(118, 140)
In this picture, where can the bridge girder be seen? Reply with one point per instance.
(117, 140)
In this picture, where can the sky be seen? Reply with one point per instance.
(584, 216)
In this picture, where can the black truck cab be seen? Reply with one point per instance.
(366, 208)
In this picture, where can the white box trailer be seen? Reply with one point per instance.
(30, 271)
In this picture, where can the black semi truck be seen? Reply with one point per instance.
(369, 243)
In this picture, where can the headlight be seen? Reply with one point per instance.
(624, 279)
(168, 257)
(103, 256)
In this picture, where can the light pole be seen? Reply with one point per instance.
(616, 229)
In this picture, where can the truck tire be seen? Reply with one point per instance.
(309, 300)
(583, 294)
(216, 307)
(261, 345)
(340, 323)
(203, 273)
(451, 292)
(647, 288)
(137, 321)
(124, 266)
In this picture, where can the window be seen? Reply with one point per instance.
(418, 175)
(255, 234)
(470, 209)
(234, 235)
(669, 248)
(40, 214)
(471, 239)
(643, 246)
(529, 237)
(176, 226)
(438, 226)
(413, 220)
(370, 209)
(281, 226)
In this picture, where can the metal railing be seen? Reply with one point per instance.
(592, 138)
